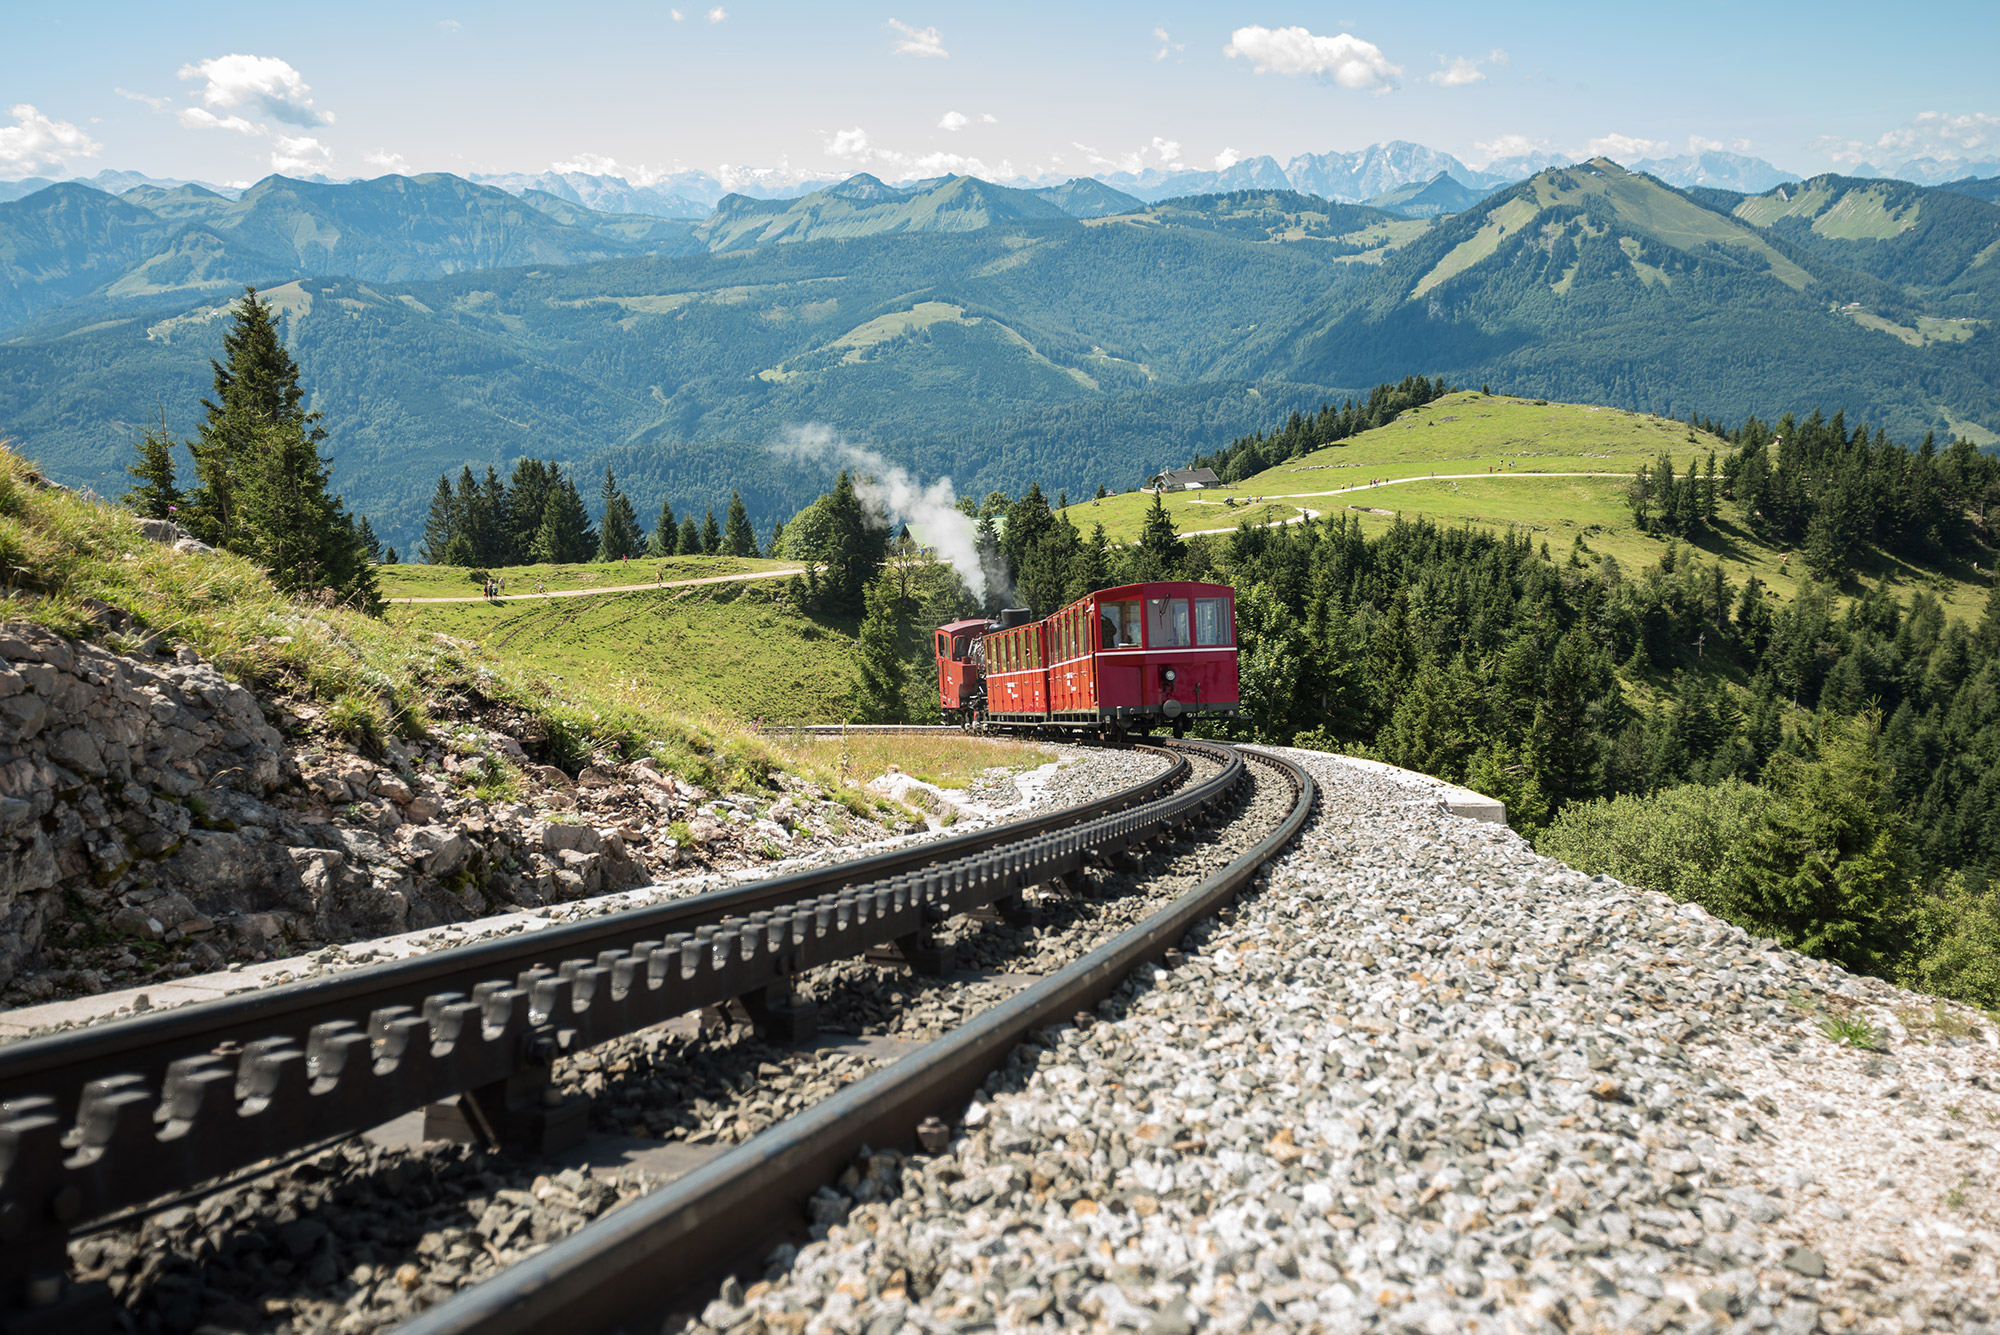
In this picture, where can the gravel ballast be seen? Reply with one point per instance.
(1430, 1081)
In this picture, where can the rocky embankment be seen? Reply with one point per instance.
(157, 820)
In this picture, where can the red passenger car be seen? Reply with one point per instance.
(1121, 660)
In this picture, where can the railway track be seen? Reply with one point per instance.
(664, 1253)
(114, 1117)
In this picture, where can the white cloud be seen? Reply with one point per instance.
(854, 147)
(988, 118)
(1167, 44)
(262, 85)
(675, 15)
(954, 120)
(1226, 159)
(919, 41)
(1931, 134)
(1697, 144)
(156, 103)
(1345, 59)
(851, 144)
(194, 118)
(1625, 148)
(1164, 154)
(1457, 71)
(302, 154)
(450, 25)
(35, 142)
(718, 14)
(596, 164)
(1498, 57)
(1510, 146)
(389, 162)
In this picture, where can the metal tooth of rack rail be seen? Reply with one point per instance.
(626, 1270)
(127, 1145)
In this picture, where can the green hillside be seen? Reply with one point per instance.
(863, 206)
(724, 653)
(1512, 465)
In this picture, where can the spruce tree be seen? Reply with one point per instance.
(497, 514)
(527, 495)
(619, 536)
(256, 386)
(775, 544)
(1161, 550)
(565, 536)
(690, 543)
(288, 522)
(441, 525)
(737, 537)
(853, 549)
(153, 494)
(881, 655)
(475, 520)
(711, 533)
(665, 539)
(370, 544)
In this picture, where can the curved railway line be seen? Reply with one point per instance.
(115, 1118)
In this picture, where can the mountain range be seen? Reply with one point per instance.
(1074, 334)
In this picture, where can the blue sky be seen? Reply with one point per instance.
(229, 92)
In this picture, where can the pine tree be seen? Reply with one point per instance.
(498, 516)
(256, 386)
(565, 535)
(1161, 550)
(291, 524)
(153, 494)
(441, 525)
(738, 539)
(475, 520)
(881, 654)
(369, 542)
(527, 495)
(853, 549)
(774, 546)
(711, 533)
(665, 539)
(619, 537)
(690, 543)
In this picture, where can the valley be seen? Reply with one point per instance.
(995, 335)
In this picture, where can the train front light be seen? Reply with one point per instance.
(1169, 675)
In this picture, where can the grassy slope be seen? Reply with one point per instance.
(1470, 433)
(414, 580)
(722, 652)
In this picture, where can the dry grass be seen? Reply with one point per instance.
(949, 760)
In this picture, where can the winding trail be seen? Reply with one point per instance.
(613, 588)
(1305, 514)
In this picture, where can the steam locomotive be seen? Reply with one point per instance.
(1116, 662)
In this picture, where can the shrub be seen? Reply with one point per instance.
(1681, 842)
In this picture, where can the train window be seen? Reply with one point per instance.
(1121, 625)
(1211, 621)
(1167, 623)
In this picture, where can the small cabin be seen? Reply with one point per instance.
(1185, 479)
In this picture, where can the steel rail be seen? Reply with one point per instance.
(387, 1040)
(60, 1065)
(621, 1272)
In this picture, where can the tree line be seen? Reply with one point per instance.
(536, 515)
(261, 485)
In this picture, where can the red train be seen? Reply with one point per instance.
(1121, 660)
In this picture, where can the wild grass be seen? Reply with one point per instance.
(1851, 1032)
(411, 580)
(84, 569)
(947, 760)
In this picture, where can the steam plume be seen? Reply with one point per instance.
(890, 493)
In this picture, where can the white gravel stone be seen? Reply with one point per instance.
(1430, 1081)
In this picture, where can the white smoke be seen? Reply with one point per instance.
(891, 495)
